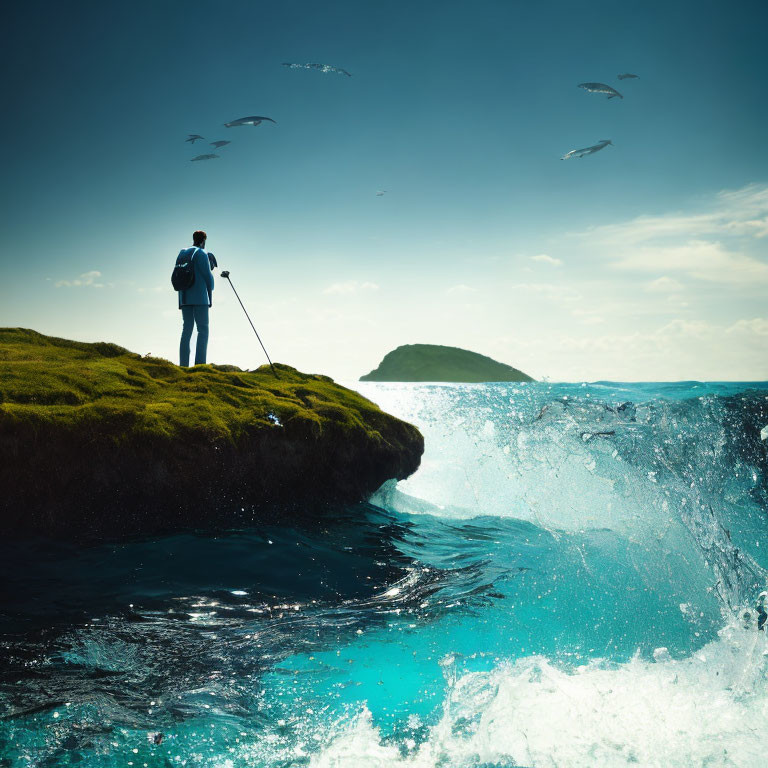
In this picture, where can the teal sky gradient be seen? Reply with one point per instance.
(461, 111)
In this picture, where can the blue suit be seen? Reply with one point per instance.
(194, 304)
(202, 291)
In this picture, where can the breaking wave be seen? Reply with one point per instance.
(706, 709)
(568, 580)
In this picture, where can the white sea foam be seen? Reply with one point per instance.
(710, 709)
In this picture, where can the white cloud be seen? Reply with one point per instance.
(698, 259)
(460, 290)
(664, 285)
(87, 279)
(718, 242)
(742, 213)
(588, 316)
(757, 326)
(544, 258)
(349, 287)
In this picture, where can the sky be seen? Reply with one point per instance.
(646, 261)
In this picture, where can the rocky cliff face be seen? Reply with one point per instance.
(97, 442)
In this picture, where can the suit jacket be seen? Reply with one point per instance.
(201, 293)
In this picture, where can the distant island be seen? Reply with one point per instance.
(432, 362)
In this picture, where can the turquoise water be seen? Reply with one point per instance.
(562, 583)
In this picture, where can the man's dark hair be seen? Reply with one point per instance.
(199, 237)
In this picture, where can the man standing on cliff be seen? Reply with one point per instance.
(195, 301)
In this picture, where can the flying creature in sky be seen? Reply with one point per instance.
(219, 144)
(203, 157)
(252, 120)
(193, 137)
(325, 68)
(601, 88)
(628, 76)
(602, 144)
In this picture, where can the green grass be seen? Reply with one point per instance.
(46, 379)
(83, 422)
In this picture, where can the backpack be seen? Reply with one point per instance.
(183, 276)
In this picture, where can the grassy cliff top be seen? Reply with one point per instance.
(431, 362)
(98, 442)
(50, 379)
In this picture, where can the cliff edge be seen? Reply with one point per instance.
(98, 442)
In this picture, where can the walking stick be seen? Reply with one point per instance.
(225, 274)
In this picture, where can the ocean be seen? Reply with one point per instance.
(568, 580)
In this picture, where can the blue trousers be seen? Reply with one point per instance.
(194, 315)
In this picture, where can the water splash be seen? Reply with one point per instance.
(562, 583)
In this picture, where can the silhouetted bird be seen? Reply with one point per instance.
(325, 68)
(587, 150)
(601, 88)
(252, 120)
